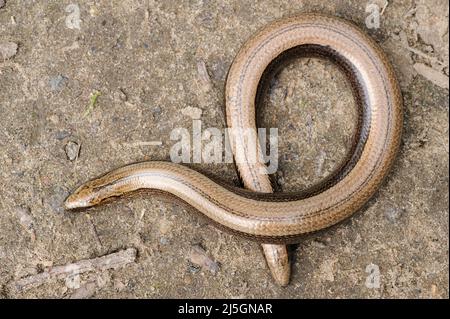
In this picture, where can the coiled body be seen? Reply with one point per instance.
(273, 218)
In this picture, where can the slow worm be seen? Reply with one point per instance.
(280, 218)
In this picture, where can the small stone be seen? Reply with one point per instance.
(393, 214)
(156, 110)
(8, 49)
(2, 3)
(60, 135)
(57, 198)
(93, 11)
(163, 241)
(72, 150)
(199, 257)
(57, 83)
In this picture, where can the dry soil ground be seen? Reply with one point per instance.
(147, 61)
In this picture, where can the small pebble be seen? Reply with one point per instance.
(393, 214)
(72, 150)
(60, 135)
(198, 256)
(8, 49)
(163, 241)
(93, 11)
(56, 199)
(2, 3)
(156, 110)
(57, 83)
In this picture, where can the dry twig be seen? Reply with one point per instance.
(111, 261)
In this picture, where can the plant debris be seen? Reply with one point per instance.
(92, 102)
(111, 261)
